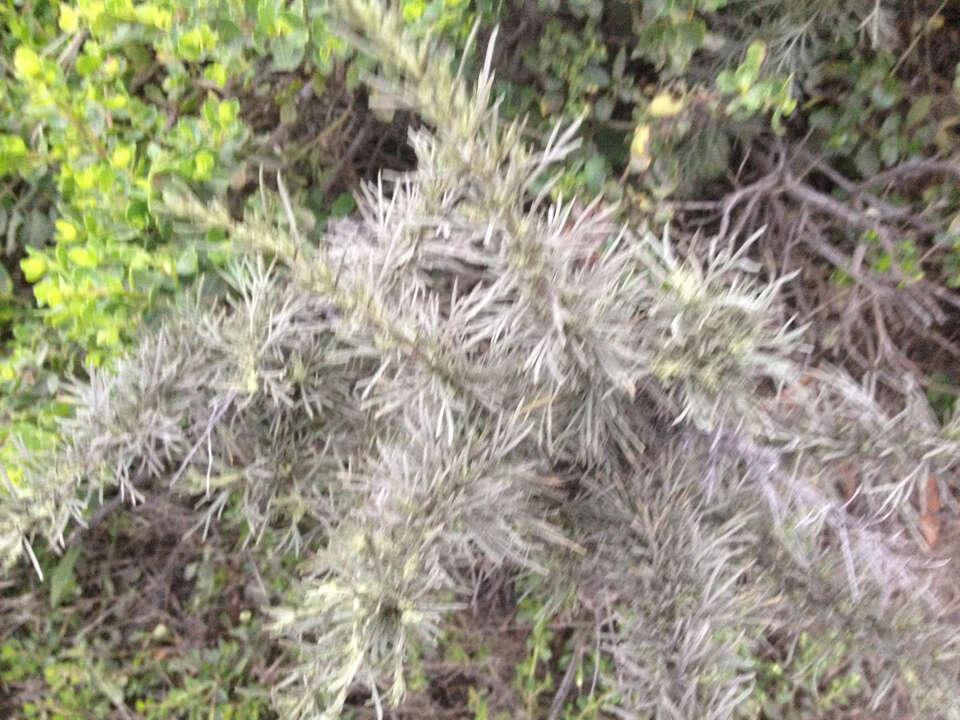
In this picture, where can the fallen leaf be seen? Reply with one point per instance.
(929, 523)
(640, 149)
(664, 105)
(786, 395)
(850, 481)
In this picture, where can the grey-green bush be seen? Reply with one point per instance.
(468, 376)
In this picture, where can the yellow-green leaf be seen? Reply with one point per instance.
(203, 164)
(12, 146)
(27, 62)
(413, 9)
(152, 15)
(121, 156)
(68, 18)
(86, 178)
(33, 267)
(115, 102)
(82, 256)
(640, 148)
(755, 56)
(66, 232)
(46, 292)
(227, 112)
(216, 74)
(664, 105)
(108, 337)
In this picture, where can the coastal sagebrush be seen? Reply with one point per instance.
(468, 376)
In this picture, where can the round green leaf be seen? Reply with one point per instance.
(33, 267)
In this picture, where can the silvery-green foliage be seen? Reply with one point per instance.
(711, 335)
(677, 583)
(469, 375)
(799, 35)
(593, 340)
(220, 397)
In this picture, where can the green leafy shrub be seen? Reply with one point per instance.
(102, 260)
(610, 61)
(101, 101)
(813, 671)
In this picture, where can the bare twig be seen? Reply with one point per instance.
(731, 201)
(70, 51)
(101, 514)
(805, 194)
(913, 168)
(564, 689)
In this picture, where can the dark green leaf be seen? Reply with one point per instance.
(6, 283)
(62, 578)
(919, 110)
(343, 205)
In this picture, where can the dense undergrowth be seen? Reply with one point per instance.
(479, 360)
